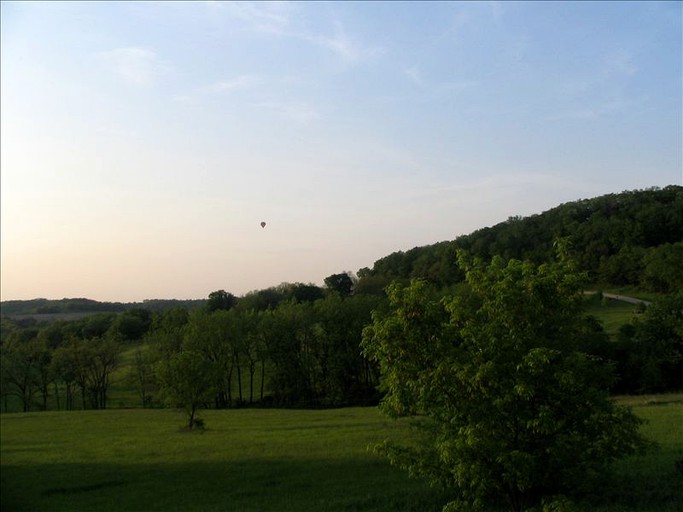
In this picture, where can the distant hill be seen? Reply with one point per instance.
(70, 309)
(634, 238)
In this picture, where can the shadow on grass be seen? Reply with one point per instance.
(247, 485)
(641, 491)
(274, 485)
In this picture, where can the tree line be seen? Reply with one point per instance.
(291, 345)
(294, 345)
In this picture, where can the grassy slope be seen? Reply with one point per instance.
(612, 313)
(260, 460)
(651, 483)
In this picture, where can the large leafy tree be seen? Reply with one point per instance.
(220, 299)
(340, 283)
(512, 411)
(188, 380)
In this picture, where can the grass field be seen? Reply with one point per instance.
(612, 313)
(246, 460)
(264, 460)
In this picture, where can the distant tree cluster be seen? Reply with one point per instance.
(69, 306)
(71, 361)
(291, 345)
(300, 353)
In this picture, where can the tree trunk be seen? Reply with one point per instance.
(239, 382)
(57, 394)
(263, 377)
(190, 423)
(252, 370)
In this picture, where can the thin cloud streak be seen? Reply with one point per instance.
(134, 65)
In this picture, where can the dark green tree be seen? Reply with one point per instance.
(510, 408)
(649, 351)
(188, 380)
(340, 283)
(20, 370)
(220, 299)
(132, 325)
(664, 268)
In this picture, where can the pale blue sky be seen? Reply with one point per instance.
(143, 143)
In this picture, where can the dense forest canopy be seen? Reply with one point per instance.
(633, 238)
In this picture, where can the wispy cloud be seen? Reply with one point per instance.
(231, 84)
(279, 19)
(260, 94)
(618, 63)
(298, 112)
(271, 17)
(437, 88)
(343, 46)
(610, 68)
(134, 65)
(598, 93)
(221, 87)
(597, 111)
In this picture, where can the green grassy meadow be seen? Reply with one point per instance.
(245, 460)
(611, 313)
(265, 460)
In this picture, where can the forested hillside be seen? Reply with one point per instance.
(633, 238)
(300, 344)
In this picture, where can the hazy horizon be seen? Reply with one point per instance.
(143, 143)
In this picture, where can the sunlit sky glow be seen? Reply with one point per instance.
(143, 143)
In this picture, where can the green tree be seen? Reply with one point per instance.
(510, 409)
(20, 370)
(188, 380)
(142, 374)
(217, 337)
(340, 283)
(133, 324)
(293, 348)
(345, 377)
(65, 368)
(649, 351)
(664, 268)
(252, 347)
(100, 359)
(220, 299)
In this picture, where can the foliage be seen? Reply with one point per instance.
(297, 344)
(187, 381)
(314, 352)
(649, 350)
(69, 307)
(340, 283)
(511, 409)
(220, 299)
(629, 238)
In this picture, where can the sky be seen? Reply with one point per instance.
(142, 144)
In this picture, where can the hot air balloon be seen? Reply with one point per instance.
(263, 224)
